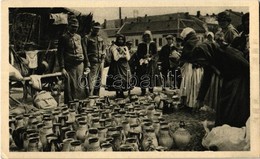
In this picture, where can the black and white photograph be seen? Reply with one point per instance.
(129, 78)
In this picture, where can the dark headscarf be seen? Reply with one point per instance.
(118, 36)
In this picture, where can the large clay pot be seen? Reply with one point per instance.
(19, 122)
(156, 125)
(48, 121)
(126, 127)
(181, 136)
(126, 148)
(165, 139)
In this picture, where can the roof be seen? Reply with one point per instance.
(159, 26)
(111, 32)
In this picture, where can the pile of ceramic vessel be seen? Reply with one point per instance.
(99, 124)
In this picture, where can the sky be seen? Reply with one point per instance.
(99, 14)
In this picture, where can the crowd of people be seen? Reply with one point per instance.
(214, 72)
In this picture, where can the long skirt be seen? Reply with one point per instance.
(75, 85)
(119, 76)
(190, 83)
(213, 94)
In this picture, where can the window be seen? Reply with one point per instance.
(155, 40)
(160, 41)
(136, 42)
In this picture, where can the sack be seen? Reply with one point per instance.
(44, 100)
(226, 138)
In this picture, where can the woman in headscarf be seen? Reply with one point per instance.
(191, 72)
(233, 107)
(147, 58)
(119, 74)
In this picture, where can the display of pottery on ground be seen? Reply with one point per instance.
(149, 123)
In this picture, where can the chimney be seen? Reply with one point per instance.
(120, 16)
(105, 24)
(198, 14)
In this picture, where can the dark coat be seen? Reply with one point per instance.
(146, 72)
(233, 107)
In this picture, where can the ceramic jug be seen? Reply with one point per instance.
(165, 139)
(181, 136)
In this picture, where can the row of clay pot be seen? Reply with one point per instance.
(88, 124)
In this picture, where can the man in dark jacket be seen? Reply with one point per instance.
(73, 62)
(169, 58)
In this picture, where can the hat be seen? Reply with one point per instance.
(73, 22)
(97, 25)
(169, 37)
(224, 16)
(186, 31)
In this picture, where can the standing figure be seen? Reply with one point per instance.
(224, 21)
(73, 62)
(147, 58)
(96, 52)
(169, 58)
(191, 72)
(119, 74)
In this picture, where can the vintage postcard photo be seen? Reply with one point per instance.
(147, 79)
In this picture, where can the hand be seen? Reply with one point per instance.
(65, 73)
(80, 57)
(176, 55)
(87, 70)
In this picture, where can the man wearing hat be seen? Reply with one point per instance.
(169, 58)
(73, 62)
(228, 29)
(96, 52)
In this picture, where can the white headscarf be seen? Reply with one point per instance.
(148, 32)
(186, 31)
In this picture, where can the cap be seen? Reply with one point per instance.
(169, 37)
(97, 25)
(224, 16)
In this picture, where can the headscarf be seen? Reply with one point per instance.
(186, 31)
(210, 33)
(148, 32)
(118, 36)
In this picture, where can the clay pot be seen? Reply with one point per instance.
(93, 144)
(107, 147)
(117, 141)
(126, 148)
(46, 130)
(82, 130)
(19, 122)
(102, 134)
(165, 139)
(149, 140)
(33, 144)
(181, 136)
(26, 120)
(47, 121)
(70, 134)
(75, 146)
(92, 133)
(133, 143)
(66, 144)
